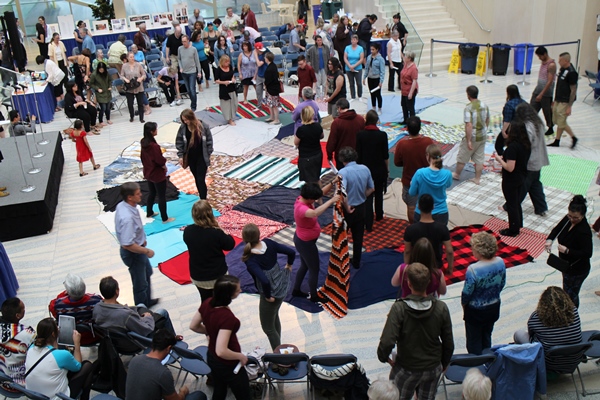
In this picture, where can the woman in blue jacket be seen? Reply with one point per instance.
(433, 180)
(374, 75)
(260, 257)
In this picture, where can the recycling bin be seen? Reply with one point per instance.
(500, 55)
(519, 57)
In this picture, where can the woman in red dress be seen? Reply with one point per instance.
(84, 151)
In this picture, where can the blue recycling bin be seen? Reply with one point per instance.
(316, 12)
(519, 57)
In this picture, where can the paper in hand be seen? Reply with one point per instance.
(333, 168)
(376, 88)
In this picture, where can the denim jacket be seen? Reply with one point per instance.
(375, 67)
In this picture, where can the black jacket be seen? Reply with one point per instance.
(272, 80)
(372, 149)
(364, 30)
(579, 242)
(70, 108)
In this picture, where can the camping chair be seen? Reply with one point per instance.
(461, 363)
(593, 83)
(329, 362)
(570, 350)
(296, 374)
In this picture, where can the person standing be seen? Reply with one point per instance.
(574, 238)
(88, 43)
(394, 56)
(336, 86)
(247, 69)
(365, 31)
(308, 96)
(248, 17)
(421, 328)
(477, 119)
(480, 296)
(173, 43)
(303, 8)
(273, 88)
(142, 40)
(372, 150)
(54, 76)
(132, 239)
(354, 58)
(259, 55)
(194, 143)
(566, 93)
(272, 281)
(224, 77)
(342, 36)
(195, 17)
(375, 75)
(513, 99)
(78, 34)
(411, 154)
(409, 87)
(514, 169)
(84, 151)
(359, 186)
(308, 140)
(231, 20)
(318, 57)
(343, 131)
(203, 50)
(541, 98)
(206, 243)
(133, 75)
(115, 51)
(58, 54)
(155, 172)
(294, 45)
(400, 28)
(190, 68)
(42, 38)
(306, 76)
(101, 83)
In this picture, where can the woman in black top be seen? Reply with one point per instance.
(574, 238)
(273, 89)
(227, 95)
(78, 108)
(336, 85)
(41, 36)
(514, 169)
(194, 144)
(372, 149)
(308, 140)
(206, 242)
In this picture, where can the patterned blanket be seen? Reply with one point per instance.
(233, 222)
(251, 112)
(529, 240)
(387, 234)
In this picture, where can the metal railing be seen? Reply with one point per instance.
(468, 7)
(414, 42)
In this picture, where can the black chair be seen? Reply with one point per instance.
(124, 344)
(296, 374)
(328, 362)
(147, 342)
(461, 363)
(570, 350)
(593, 84)
(192, 361)
(30, 394)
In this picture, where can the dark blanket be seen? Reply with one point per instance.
(369, 285)
(110, 197)
(277, 204)
(210, 118)
(285, 131)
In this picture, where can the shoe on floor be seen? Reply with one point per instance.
(173, 103)
(3, 193)
(2, 189)
(556, 143)
(508, 232)
(152, 303)
(575, 140)
(549, 132)
(179, 102)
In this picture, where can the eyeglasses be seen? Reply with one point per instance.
(574, 217)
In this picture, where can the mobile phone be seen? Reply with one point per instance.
(66, 326)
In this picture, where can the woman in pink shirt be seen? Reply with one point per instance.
(307, 233)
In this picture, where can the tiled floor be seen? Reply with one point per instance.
(79, 243)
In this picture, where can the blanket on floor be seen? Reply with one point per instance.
(392, 112)
(324, 163)
(251, 111)
(110, 197)
(212, 119)
(569, 173)
(277, 204)
(229, 192)
(123, 170)
(242, 138)
(274, 148)
(185, 182)
(233, 222)
(108, 220)
(285, 131)
(387, 234)
(529, 240)
(166, 245)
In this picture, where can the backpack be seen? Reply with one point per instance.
(109, 372)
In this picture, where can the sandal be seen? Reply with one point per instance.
(83, 174)
(96, 166)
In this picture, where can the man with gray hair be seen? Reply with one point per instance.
(476, 386)
(132, 238)
(193, 19)
(88, 43)
(294, 46)
(76, 303)
(173, 45)
(142, 40)
(231, 20)
(383, 390)
(190, 68)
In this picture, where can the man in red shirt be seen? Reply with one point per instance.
(306, 77)
(343, 131)
(410, 154)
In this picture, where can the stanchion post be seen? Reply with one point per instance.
(487, 67)
(431, 74)
(44, 141)
(577, 58)
(524, 82)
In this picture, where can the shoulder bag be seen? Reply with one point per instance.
(558, 263)
(38, 362)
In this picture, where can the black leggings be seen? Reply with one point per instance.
(86, 114)
(157, 189)
(169, 91)
(512, 195)
(80, 382)
(408, 106)
(205, 68)
(309, 262)
(204, 294)
(199, 171)
(224, 377)
(375, 96)
(140, 101)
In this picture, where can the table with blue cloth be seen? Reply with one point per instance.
(112, 36)
(383, 50)
(46, 102)
(8, 283)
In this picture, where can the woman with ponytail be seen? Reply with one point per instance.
(272, 281)
(194, 144)
(574, 237)
(155, 172)
(433, 180)
(206, 242)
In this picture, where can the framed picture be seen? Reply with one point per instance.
(101, 26)
(52, 29)
(119, 25)
(135, 20)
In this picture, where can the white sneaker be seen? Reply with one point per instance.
(379, 111)
(179, 102)
(173, 104)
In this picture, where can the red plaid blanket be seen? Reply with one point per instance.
(253, 111)
(387, 234)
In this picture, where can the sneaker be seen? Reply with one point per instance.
(2, 189)
(379, 111)
(179, 102)
(173, 103)
(4, 194)
(298, 293)
(575, 140)
(556, 143)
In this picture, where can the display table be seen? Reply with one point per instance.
(383, 50)
(25, 102)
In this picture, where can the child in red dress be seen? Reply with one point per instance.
(84, 151)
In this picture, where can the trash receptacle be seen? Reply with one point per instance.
(316, 12)
(326, 10)
(520, 57)
(336, 6)
(500, 54)
(468, 57)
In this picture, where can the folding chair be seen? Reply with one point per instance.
(295, 374)
(100, 46)
(128, 43)
(593, 83)
(262, 30)
(461, 363)
(108, 44)
(124, 344)
(152, 57)
(570, 350)
(75, 51)
(593, 352)
(5, 380)
(113, 73)
(328, 362)
(267, 43)
(30, 394)
(285, 37)
(192, 362)
(118, 96)
(155, 51)
(150, 88)
(155, 66)
(270, 37)
(147, 342)
(291, 64)
(102, 396)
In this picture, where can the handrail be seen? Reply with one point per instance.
(411, 23)
(468, 7)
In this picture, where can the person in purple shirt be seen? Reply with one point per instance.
(308, 96)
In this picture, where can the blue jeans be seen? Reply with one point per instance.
(572, 285)
(189, 81)
(104, 110)
(140, 271)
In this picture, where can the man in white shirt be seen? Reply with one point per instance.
(232, 20)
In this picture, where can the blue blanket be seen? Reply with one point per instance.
(166, 245)
(392, 112)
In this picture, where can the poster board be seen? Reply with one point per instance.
(100, 26)
(162, 19)
(52, 29)
(180, 12)
(135, 20)
(66, 25)
(119, 24)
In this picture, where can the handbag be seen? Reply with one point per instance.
(132, 84)
(558, 263)
(239, 89)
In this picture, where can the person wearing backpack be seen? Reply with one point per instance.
(472, 146)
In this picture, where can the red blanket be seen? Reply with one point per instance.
(324, 163)
(387, 234)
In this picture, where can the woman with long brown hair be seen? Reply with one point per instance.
(206, 242)
(194, 144)
(272, 281)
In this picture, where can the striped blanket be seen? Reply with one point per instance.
(337, 282)
(251, 112)
(271, 170)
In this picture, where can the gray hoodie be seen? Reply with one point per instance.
(123, 318)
